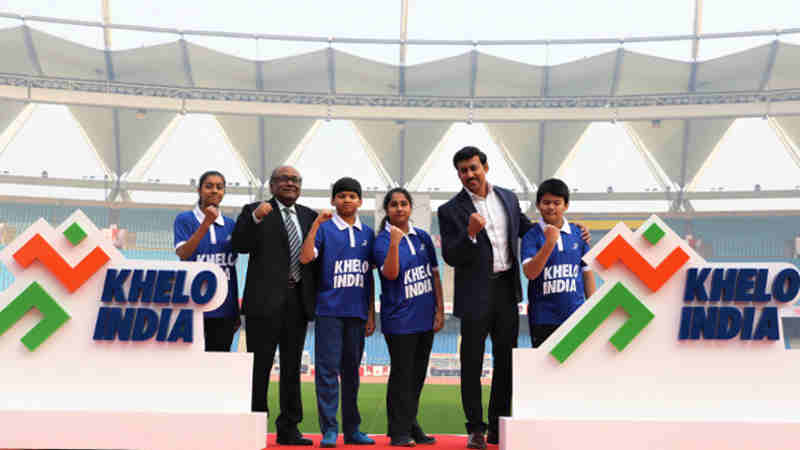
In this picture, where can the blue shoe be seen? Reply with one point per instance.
(358, 438)
(328, 439)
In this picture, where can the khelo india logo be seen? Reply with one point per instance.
(721, 301)
(75, 269)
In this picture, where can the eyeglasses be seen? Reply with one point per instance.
(287, 178)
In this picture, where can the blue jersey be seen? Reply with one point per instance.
(558, 291)
(345, 264)
(408, 303)
(215, 247)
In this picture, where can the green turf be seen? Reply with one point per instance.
(440, 408)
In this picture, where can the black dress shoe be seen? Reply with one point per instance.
(293, 439)
(493, 437)
(476, 440)
(420, 437)
(401, 441)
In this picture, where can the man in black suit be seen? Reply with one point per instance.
(279, 294)
(480, 229)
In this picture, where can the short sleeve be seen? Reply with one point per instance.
(380, 249)
(319, 241)
(181, 230)
(531, 244)
(584, 251)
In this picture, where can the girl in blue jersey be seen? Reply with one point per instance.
(552, 259)
(345, 311)
(411, 312)
(204, 234)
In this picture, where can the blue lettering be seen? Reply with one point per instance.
(695, 285)
(785, 285)
(163, 325)
(142, 287)
(164, 286)
(183, 327)
(745, 285)
(747, 323)
(730, 322)
(723, 283)
(686, 321)
(760, 293)
(178, 297)
(208, 279)
(702, 322)
(112, 288)
(767, 324)
(145, 325)
(110, 323)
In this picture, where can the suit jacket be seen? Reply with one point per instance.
(267, 242)
(473, 261)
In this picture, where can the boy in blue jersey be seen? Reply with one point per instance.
(552, 259)
(345, 311)
(204, 234)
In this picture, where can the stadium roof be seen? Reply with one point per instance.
(124, 98)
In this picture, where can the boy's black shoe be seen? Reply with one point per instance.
(420, 437)
(293, 439)
(493, 437)
(476, 440)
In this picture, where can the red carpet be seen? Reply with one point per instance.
(446, 442)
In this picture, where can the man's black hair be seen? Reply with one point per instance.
(553, 186)
(467, 153)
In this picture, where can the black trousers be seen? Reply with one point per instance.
(409, 354)
(286, 330)
(540, 333)
(502, 324)
(219, 333)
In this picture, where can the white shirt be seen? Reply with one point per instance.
(293, 215)
(492, 209)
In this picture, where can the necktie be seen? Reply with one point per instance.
(294, 245)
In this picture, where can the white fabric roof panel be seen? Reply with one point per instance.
(159, 64)
(445, 77)
(211, 68)
(62, 58)
(498, 77)
(356, 75)
(741, 71)
(302, 73)
(791, 126)
(15, 52)
(644, 74)
(421, 138)
(9, 110)
(588, 76)
(281, 137)
(787, 67)
(665, 143)
(560, 138)
(136, 135)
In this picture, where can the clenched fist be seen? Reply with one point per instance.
(324, 216)
(263, 209)
(476, 224)
(211, 213)
(395, 234)
(551, 233)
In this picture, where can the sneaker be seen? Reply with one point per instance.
(358, 438)
(328, 439)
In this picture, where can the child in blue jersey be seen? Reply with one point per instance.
(411, 312)
(552, 259)
(204, 234)
(345, 311)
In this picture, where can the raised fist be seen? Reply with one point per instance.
(476, 224)
(395, 234)
(211, 213)
(324, 216)
(551, 233)
(263, 209)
